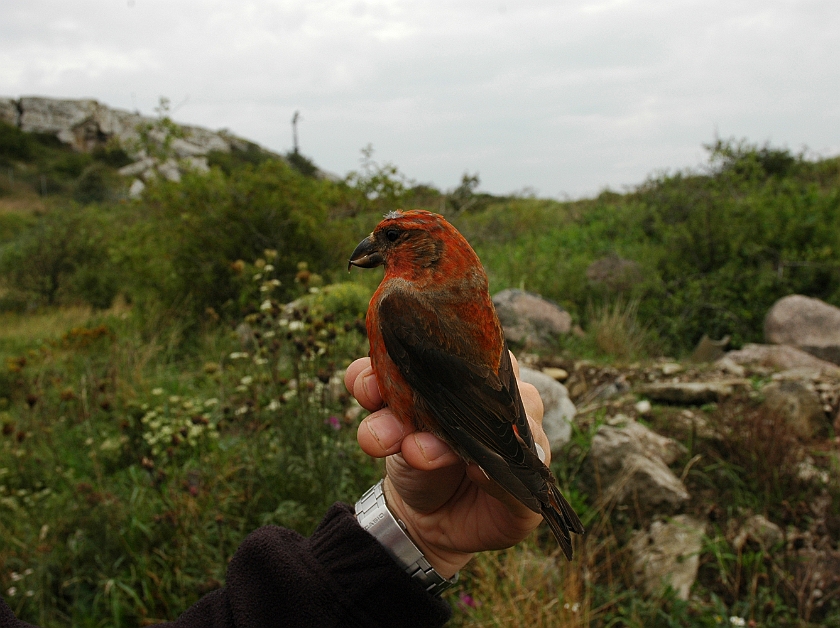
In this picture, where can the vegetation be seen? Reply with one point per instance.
(158, 401)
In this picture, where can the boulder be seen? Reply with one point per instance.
(780, 357)
(529, 319)
(800, 406)
(668, 554)
(614, 273)
(809, 324)
(9, 111)
(627, 466)
(559, 411)
(691, 393)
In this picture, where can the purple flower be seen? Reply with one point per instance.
(465, 600)
(333, 422)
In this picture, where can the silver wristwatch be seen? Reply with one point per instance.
(373, 515)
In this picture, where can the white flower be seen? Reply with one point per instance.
(260, 361)
(16, 577)
(12, 591)
(239, 355)
(211, 402)
(157, 391)
(265, 288)
(246, 381)
(737, 621)
(269, 334)
(241, 388)
(29, 572)
(174, 399)
(30, 593)
(296, 325)
(241, 410)
(258, 276)
(265, 305)
(268, 268)
(273, 405)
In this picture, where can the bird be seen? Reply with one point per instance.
(441, 359)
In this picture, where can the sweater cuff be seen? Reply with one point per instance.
(381, 590)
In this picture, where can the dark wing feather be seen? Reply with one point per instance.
(475, 408)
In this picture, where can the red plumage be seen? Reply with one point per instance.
(441, 359)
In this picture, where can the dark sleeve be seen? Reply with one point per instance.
(340, 576)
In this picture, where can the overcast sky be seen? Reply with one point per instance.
(563, 97)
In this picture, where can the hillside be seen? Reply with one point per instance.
(160, 397)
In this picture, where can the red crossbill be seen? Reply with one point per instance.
(441, 360)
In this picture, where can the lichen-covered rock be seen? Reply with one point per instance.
(529, 319)
(628, 466)
(780, 357)
(808, 324)
(800, 406)
(692, 393)
(668, 554)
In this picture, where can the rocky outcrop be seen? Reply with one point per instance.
(529, 319)
(87, 124)
(559, 411)
(9, 111)
(809, 324)
(668, 554)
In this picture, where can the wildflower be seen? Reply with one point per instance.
(29, 572)
(241, 410)
(268, 268)
(246, 381)
(737, 621)
(465, 600)
(273, 405)
(333, 422)
(239, 355)
(295, 325)
(260, 361)
(258, 276)
(157, 391)
(269, 334)
(12, 591)
(16, 577)
(265, 305)
(174, 399)
(270, 253)
(30, 593)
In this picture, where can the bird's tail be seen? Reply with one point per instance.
(562, 519)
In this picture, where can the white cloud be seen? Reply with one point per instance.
(565, 97)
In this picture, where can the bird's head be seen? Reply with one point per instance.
(413, 242)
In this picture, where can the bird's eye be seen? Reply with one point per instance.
(392, 235)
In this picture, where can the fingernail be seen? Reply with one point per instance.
(371, 387)
(431, 448)
(385, 429)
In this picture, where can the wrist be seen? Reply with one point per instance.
(376, 517)
(445, 562)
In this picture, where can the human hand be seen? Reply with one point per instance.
(450, 508)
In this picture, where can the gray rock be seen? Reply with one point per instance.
(624, 467)
(559, 411)
(781, 357)
(668, 554)
(9, 111)
(800, 406)
(614, 273)
(809, 324)
(760, 529)
(529, 319)
(691, 393)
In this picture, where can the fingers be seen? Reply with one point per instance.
(360, 381)
(381, 433)
(531, 400)
(426, 452)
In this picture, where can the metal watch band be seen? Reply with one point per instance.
(373, 515)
